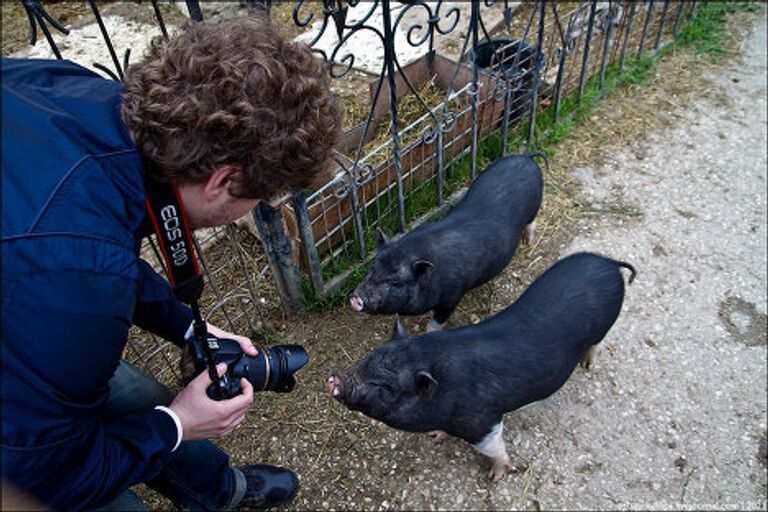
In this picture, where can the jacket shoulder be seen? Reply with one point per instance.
(67, 155)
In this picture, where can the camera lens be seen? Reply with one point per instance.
(285, 360)
(273, 368)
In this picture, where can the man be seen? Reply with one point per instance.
(230, 114)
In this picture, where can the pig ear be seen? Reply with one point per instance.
(381, 238)
(420, 267)
(398, 330)
(425, 381)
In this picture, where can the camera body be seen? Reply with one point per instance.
(271, 369)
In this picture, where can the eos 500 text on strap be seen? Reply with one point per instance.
(166, 211)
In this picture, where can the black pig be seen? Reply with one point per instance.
(462, 381)
(431, 268)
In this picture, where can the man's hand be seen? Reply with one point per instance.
(203, 418)
(246, 345)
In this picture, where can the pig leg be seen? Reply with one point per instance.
(529, 233)
(589, 357)
(434, 325)
(440, 316)
(438, 436)
(493, 446)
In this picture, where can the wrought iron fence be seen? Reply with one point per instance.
(393, 171)
(497, 88)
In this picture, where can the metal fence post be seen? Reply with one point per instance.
(505, 111)
(278, 249)
(678, 18)
(648, 18)
(565, 50)
(585, 60)
(475, 88)
(627, 36)
(389, 62)
(299, 202)
(692, 10)
(537, 74)
(357, 219)
(606, 47)
(559, 81)
(108, 42)
(160, 21)
(661, 25)
(193, 6)
(439, 169)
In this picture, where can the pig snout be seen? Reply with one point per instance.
(334, 386)
(357, 301)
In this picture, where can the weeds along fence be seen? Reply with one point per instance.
(424, 129)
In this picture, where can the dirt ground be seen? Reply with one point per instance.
(674, 414)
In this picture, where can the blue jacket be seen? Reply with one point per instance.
(72, 284)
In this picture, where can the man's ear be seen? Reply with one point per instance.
(220, 181)
(426, 382)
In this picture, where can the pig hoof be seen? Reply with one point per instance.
(499, 471)
(438, 436)
(587, 362)
(433, 325)
(529, 233)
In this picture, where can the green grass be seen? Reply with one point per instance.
(548, 133)
(704, 34)
(323, 304)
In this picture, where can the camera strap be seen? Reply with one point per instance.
(169, 221)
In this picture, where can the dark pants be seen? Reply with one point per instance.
(198, 477)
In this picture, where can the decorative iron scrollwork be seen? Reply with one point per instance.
(429, 134)
(37, 15)
(448, 119)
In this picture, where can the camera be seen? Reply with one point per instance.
(271, 370)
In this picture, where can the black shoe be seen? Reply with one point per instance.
(267, 487)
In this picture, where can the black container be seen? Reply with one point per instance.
(517, 61)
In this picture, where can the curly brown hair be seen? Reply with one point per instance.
(232, 93)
